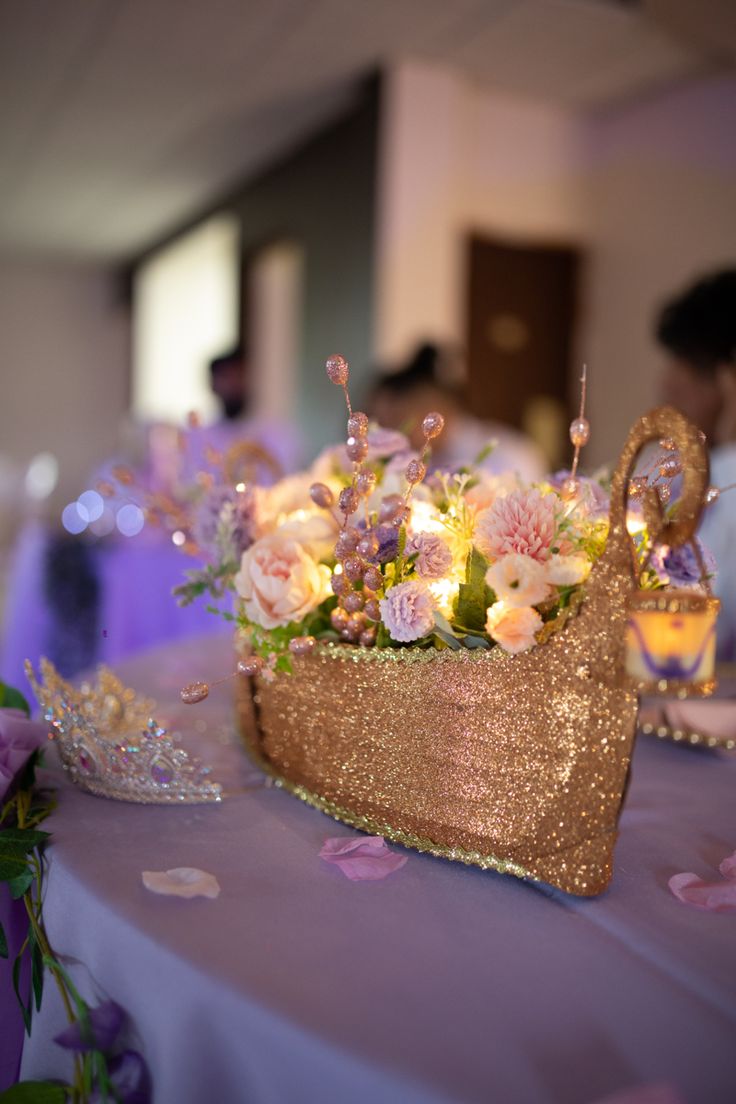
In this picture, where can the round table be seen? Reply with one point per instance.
(441, 983)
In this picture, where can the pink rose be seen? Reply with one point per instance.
(523, 521)
(514, 628)
(407, 611)
(280, 582)
(434, 558)
(518, 580)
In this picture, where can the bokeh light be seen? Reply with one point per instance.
(130, 520)
(104, 524)
(42, 475)
(73, 519)
(90, 505)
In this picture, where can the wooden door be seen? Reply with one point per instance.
(520, 326)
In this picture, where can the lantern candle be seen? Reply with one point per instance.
(671, 642)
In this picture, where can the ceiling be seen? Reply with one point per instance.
(120, 119)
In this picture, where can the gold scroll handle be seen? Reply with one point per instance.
(242, 460)
(680, 527)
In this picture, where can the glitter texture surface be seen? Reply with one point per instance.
(516, 763)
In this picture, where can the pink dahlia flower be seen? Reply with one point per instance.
(523, 521)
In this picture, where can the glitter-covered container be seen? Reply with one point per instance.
(516, 763)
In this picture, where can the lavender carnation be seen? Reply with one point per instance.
(225, 523)
(679, 567)
(434, 558)
(407, 611)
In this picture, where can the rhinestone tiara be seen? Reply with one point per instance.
(111, 745)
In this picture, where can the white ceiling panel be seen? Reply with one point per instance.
(120, 119)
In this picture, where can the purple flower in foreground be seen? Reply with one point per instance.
(679, 566)
(129, 1078)
(19, 738)
(105, 1023)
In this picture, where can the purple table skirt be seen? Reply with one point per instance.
(441, 983)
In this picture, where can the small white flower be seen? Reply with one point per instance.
(518, 580)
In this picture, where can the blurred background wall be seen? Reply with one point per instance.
(526, 180)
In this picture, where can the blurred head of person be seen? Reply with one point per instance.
(697, 330)
(428, 381)
(228, 380)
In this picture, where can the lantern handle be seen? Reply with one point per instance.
(663, 421)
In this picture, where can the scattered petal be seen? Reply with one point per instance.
(712, 718)
(728, 867)
(105, 1022)
(361, 859)
(182, 881)
(709, 896)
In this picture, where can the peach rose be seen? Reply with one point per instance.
(513, 627)
(280, 582)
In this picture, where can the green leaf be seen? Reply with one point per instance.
(25, 838)
(20, 883)
(474, 595)
(36, 968)
(3, 943)
(26, 1010)
(34, 1092)
(12, 866)
(10, 698)
(444, 630)
(471, 641)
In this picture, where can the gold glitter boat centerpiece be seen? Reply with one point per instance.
(514, 762)
(452, 659)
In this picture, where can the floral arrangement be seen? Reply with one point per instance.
(371, 547)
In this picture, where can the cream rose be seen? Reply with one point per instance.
(280, 582)
(567, 570)
(513, 627)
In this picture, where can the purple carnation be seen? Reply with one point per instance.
(407, 611)
(224, 526)
(679, 567)
(434, 558)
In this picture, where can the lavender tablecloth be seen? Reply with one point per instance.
(439, 984)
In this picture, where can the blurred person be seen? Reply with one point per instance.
(231, 381)
(429, 382)
(697, 331)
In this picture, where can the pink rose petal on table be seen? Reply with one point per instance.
(728, 867)
(181, 881)
(362, 859)
(709, 896)
(712, 718)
